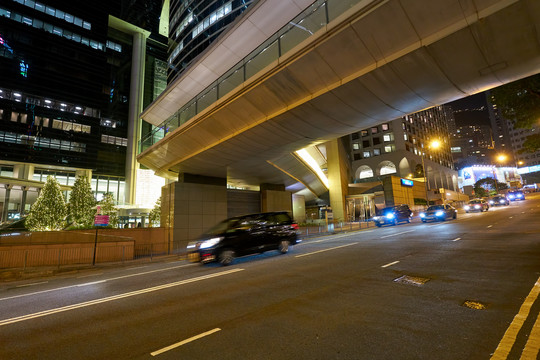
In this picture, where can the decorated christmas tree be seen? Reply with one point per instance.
(155, 214)
(82, 203)
(108, 208)
(49, 210)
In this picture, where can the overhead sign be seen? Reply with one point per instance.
(407, 182)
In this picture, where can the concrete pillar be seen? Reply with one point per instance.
(136, 93)
(274, 197)
(23, 171)
(6, 201)
(84, 172)
(299, 208)
(338, 177)
(191, 206)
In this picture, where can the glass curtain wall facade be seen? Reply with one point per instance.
(65, 85)
(194, 25)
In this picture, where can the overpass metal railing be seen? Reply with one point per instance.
(315, 17)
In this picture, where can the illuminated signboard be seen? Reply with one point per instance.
(24, 68)
(407, 182)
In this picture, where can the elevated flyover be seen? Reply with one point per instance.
(373, 62)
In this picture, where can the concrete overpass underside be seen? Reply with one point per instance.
(371, 65)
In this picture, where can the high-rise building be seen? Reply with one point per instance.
(195, 25)
(397, 147)
(65, 95)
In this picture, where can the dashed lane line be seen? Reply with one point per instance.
(324, 250)
(399, 233)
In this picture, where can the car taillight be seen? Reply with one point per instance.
(295, 226)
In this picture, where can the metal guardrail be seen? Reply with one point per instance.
(316, 16)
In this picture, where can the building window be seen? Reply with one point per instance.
(388, 148)
(367, 154)
(364, 133)
(387, 138)
(365, 143)
(376, 152)
(385, 127)
(376, 141)
(356, 146)
(374, 130)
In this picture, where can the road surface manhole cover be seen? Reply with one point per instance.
(411, 280)
(474, 305)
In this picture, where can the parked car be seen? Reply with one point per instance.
(476, 205)
(245, 235)
(393, 215)
(438, 213)
(516, 195)
(499, 200)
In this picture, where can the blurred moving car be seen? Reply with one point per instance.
(476, 205)
(438, 213)
(245, 235)
(393, 215)
(499, 200)
(516, 195)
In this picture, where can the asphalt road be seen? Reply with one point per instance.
(460, 289)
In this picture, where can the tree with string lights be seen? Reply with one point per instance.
(82, 203)
(49, 211)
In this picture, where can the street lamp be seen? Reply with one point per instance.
(435, 144)
(501, 158)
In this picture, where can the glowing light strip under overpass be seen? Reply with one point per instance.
(310, 161)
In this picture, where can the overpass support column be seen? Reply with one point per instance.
(338, 176)
(274, 197)
(190, 206)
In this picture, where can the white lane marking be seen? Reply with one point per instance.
(533, 344)
(403, 232)
(390, 264)
(509, 338)
(183, 342)
(320, 251)
(90, 275)
(110, 279)
(489, 226)
(335, 237)
(33, 284)
(113, 298)
(92, 283)
(456, 239)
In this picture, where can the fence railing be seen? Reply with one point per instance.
(333, 227)
(83, 254)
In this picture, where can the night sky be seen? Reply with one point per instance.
(471, 110)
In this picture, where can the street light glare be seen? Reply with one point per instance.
(501, 158)
(435, 144)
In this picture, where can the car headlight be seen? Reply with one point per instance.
(511, 196)
(376, 218)
(390, 216)
(519, 196)
(422, 215)
(210, 242)
(477, 206)
(439, 213)
(467, 207)
(502, 201)
(491, 202)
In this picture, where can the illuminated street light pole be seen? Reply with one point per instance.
(435, 144)
(500, 158)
